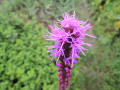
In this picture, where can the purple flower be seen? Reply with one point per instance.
(68, 36)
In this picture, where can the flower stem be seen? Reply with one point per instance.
(64, 76)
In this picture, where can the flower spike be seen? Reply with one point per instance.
(68, 36)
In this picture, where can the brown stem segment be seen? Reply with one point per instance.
(64, 76)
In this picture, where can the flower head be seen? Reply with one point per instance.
(68, 38)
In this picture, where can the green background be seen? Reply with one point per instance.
(24, 61)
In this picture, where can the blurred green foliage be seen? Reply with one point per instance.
(105, 15)
(24, 61)
(44, 10)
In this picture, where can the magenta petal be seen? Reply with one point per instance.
(58, 64)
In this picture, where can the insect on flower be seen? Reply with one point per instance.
(68, 36)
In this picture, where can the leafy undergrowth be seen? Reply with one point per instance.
(24, 62)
